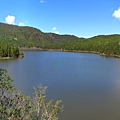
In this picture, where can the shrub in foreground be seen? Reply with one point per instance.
(16, 106)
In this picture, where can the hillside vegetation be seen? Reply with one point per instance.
(29, 37)
(32, 37)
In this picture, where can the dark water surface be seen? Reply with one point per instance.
(88, 84)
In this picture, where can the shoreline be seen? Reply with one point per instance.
(10, 58)
(63, 50)
(58, 50)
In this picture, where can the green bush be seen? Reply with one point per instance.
(15, 106)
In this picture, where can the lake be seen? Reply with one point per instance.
(88, 84)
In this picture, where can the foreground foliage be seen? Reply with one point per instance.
(15, 106)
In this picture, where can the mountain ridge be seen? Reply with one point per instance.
(29, 36)
(24, 36)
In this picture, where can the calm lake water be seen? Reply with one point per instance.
(88, 84)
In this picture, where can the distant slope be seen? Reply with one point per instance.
(103, 44)
(28, 36)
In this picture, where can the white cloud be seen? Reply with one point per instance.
(54, 28)
(42, 1)
(116, 13)
(56, 32)
(21, 24)
(10, 19)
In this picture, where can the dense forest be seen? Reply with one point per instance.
(105, 45)
(8, 51)
(31, 37)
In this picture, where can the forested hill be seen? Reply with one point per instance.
(32, 37)
(29, 36)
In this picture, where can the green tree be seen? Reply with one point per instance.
(44, 110)
(15, 106)
(10, 51)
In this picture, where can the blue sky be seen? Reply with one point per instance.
(83, 18)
